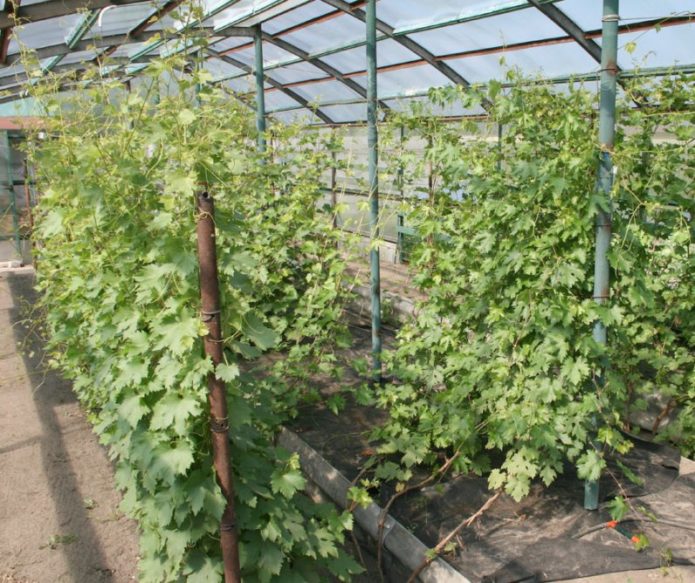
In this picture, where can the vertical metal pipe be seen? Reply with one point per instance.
(334, 182)
(609, 70)
(373, 163)
(499, 147)
(260, 91)
(30, 212)
(217, 397)
(11, 193)
(400, 218)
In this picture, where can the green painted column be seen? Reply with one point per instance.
(12, 198)
(260, 90)
(373, 177)
(609, 70)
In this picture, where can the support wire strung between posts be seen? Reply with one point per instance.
(373, 163)
(606, 130)
(217, 392)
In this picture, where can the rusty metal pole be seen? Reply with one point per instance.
(217, 394)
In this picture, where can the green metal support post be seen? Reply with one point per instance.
(260, 90)
(373, 161)
(609, 69)
(11, 193)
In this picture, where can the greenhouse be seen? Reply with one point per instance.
(347, 290)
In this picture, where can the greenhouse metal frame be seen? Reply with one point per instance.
(336, 62)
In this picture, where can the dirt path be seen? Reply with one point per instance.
(59, 518)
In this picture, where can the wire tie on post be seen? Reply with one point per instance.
(611, 18)
(219, 425)
(207, 316)
(228, 527)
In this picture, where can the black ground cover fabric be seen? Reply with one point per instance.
(548, 536)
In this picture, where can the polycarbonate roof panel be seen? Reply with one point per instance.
(389, 52)
(229, 43)
(325, 91)
(345, 113)
(295, 17)
(298, 115)
(251, 12)
(121, 19)
(296, 73)
(78, 57)
(45, 33)
(416, 13)
(245, 84)
(11, 70)
(220, 69)
(456, 32)
(128, 50)
(558, 60)
(407, 81)
(455, 109)
(278, 100)
(588, 14)
(272, 54)
(672, 45)
(506, 29)
(342, 29)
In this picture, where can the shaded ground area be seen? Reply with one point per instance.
(546, 537)
(59, 518)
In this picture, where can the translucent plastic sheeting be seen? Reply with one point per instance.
(345, 113)
(320, 36)
(651, 48)
(296, 73)
(271, 54)
(121, 19)
(455, 109)
(415, 13)
(220, 69)
(250, 12)
(557, 61)
(78, 57)
(515, 27)
(11, 71)
(407, 81)
(587, 13)
(297, 116)
(246, 84)
(296, 17)
(45, 33)
(278, 100)
(128, 50)
(325, 91)
(229, 43)
(389, 52)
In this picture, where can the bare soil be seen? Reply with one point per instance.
(59, 517)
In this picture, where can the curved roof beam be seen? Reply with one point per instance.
(298, 98)
(319, 64)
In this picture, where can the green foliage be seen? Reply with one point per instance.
(118, 275)
(500, 356)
